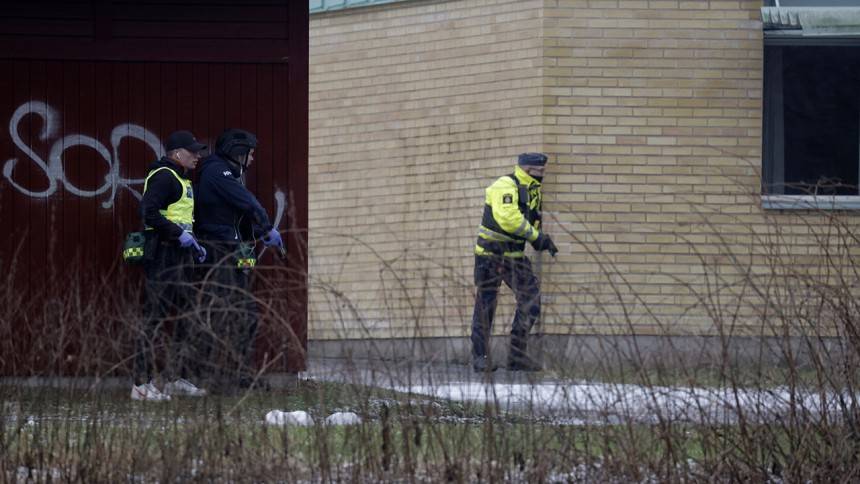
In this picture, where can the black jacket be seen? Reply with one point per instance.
(222, 204)
(162, 189)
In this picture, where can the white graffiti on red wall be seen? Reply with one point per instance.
(54, 168)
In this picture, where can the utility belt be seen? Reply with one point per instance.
(498, 243)
(500, 248)
(227, 239)
(223, 251)
(140, 247)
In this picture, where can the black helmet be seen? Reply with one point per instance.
(235, 143)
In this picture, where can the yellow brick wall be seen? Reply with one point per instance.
(414, 107)
(654, 119)
(650, 112)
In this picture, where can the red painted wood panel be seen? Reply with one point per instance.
(86, 166)
(264, 161)
(108, 237)
(53, 97)
(179, 19)
(179, 12)
(50, 10)
(84, 119)
(158, 30)
(38, 230)
(247, 119)
(9, 346)
(20, 172)
(69, 129)
(102, 114)
(21, 130)
(297, 174)
(52, 27)
(7, 201)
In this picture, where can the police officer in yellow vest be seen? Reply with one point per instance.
(512, 215)
(167, 209)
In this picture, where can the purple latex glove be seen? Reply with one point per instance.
(201, 254)
(187, 240)
(273, 239)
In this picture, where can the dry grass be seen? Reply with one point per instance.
(805, 317)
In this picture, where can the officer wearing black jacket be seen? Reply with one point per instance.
(228, 219)
(167, 210)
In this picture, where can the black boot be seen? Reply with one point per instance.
(518, 359)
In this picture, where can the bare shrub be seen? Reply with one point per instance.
(766, 391)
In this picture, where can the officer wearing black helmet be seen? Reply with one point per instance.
(227, 215)
(223, 202)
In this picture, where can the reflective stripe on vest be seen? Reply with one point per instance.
(180, 212)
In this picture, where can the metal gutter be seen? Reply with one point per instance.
(320, 6)
(811, 21)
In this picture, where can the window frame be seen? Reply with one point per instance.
(773, 144)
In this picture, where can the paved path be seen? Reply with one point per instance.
(577, 402)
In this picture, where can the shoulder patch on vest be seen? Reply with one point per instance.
(507, 198)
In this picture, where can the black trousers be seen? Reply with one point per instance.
(231, 316)
(517, 274)
(168, 295)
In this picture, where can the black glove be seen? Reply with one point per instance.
(544, 242)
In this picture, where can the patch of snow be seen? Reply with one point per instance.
(299, 417)
(343, 418)
(636, 402)
(28, 474)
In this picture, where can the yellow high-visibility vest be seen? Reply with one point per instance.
(180, 212)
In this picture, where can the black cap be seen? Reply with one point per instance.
(532, 159)
(183, 139)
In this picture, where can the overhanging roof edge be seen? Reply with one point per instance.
(811, 21)
(322, 6)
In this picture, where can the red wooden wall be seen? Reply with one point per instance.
(88, 89)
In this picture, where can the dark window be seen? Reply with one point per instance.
(811, 120)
